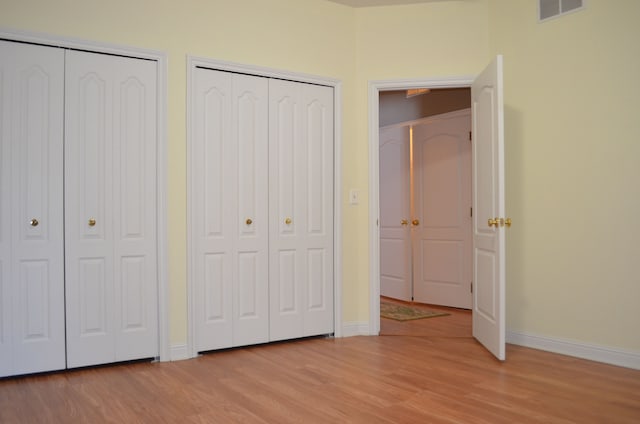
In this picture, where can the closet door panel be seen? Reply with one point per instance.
(301, 211)
(31, 222)
(134, 209)
(287, 214)
(317, 134)
(249, 132)
(110, 210)
(214, 219)
(89, 243)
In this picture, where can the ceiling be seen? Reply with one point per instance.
(369, 3)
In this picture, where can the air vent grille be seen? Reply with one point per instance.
(548, 9)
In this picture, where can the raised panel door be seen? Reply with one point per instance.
(213, 219)
(32, 336)
(395, 214)
(110, 208)
(287, 211)
(317, 226)
(442, 206)
(249, 147)
(489, 204)
(301, 209)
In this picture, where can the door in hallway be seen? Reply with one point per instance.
(441, 222)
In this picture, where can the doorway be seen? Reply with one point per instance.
(376, 89)
(425, 204)
(489, 220)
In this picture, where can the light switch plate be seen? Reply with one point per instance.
(354, 196)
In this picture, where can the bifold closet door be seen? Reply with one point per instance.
(229, 213)
(301, 209)
(110, 209)
(32, 337)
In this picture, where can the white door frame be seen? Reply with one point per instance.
(375, 87)
(192, 63)
(161, 156)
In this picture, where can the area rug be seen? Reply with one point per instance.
(406, 313)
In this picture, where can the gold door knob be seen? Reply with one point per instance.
(415, 222)
(287, 221)
(507, 222)
(404, 222)
(249, 221)
(493, 222)
(92, 222)
(34, 222)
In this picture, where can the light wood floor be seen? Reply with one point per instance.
(436, 373)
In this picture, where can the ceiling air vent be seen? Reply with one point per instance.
(548, 9)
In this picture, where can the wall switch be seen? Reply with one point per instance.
(354, 196)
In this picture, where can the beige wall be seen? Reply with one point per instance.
(572, 129)
(573, 170)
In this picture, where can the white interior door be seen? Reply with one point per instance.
(301, 209)
(230, 215)
(395, 208)
(110, 209)
(32, 336)
(317, 135)
(214, 221)
(249, 133)
(489, 209)
(441, 223)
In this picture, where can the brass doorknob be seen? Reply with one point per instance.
(249, 221)
(415, 222)
(404, 222)
(92, 222)
(493, 222)
(34, 222)
(507, 222)
(287, 221)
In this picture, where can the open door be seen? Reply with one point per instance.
(489, 220)
(395, 234)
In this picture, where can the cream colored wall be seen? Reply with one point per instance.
(573, 170)
(309, 36)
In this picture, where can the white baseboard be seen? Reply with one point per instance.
(608, 355)
(358, 328)
(179, 352)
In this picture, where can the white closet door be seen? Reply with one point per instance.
(317, 134)
(110, 208)
(213, 218)
(287, 211)
(249, 133)
(230, 223)
(301, 209)
(31, 223)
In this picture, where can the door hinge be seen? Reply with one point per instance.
(471, 286)
(469, 135)
(471, 212)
